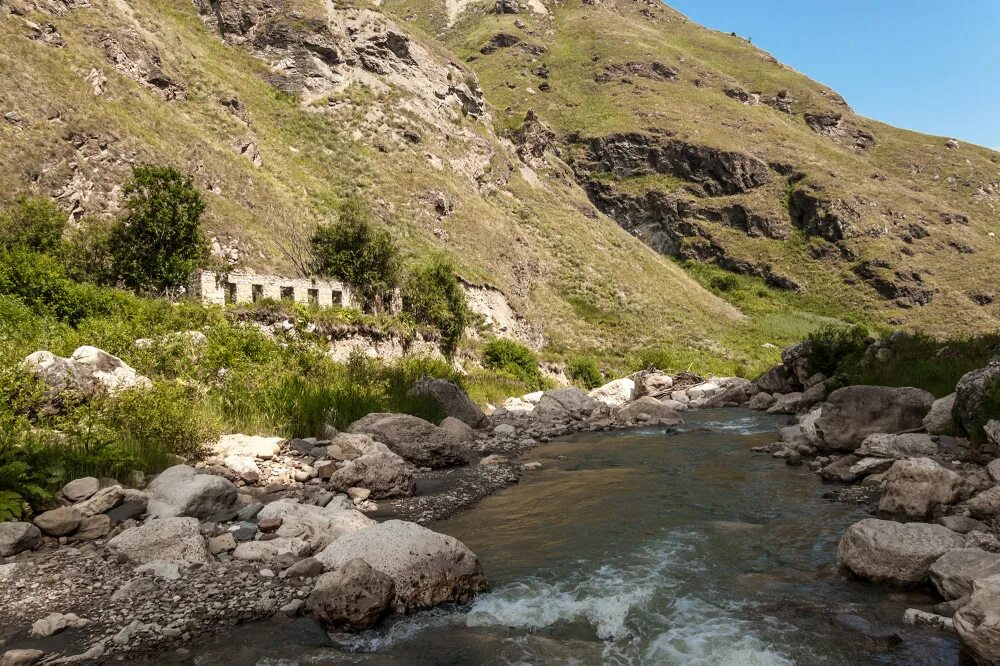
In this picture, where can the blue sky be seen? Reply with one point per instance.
(928, 65)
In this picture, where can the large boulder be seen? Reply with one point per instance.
(317, 526)
(170, 539)
(616, 393)
(184, 491)
(427, 568)
(970, 394)
(59, 522)
(952, 574)
(798, 359)
(978, 621)
(908, 445)
(790, 403)
(460, 430)
(915, 487)
(565, 403)
(82, 489)
(853, 413)
(379, 470)
(762, 401)
(940, 420)
(416, 440)
(451, 398)
(900, 554)
(657, 412)
(778, 379)
(88, 371)
(18, 537)
(353, 597)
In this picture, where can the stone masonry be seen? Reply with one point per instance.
(240, 287)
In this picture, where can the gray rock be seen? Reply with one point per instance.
(243, 531)
(384, 473)
(352, 597)
(244, 467)
(451, 398)
(565, 403)
(962, 524)
(92, 527)
(655, 409)
(18, 537)
(308, 567)
(982, 540)
(976, 621)
(918, 618)
(21, 657)
(940, 421)
(898, 447)
(986, 504)
(282, 551)
(427, 568)
(417, 441)
(853, 413)
(53, 623)
(778, 379)
(250, 511)
(59, 522)
(81, 489)
(184, 491)
(171, 539)
(317, 526)
(222, 543)
(917, 486)
(160, 569)
(102, 501)
(841, 469)
(461, 431)
(786, 404)
(761, 401)
(952, 574)
(970, 392)
(898, 554)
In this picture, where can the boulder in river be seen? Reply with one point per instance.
(917, 486)
(952, 574)
(451, 398)
(170, 539)
(416, 440)
(900, 554)
(565, 403)
(352, 597)
(978, 622)
(654, 409)
(184, 491)
(853, 413)
(908, 445)
(426, 567)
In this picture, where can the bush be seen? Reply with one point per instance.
(583, 370)
(433, 295)
(34, 224)
(515, 360)
(832, 348)
(158, 242)
(353, 250)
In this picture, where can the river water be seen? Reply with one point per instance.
(647, 547)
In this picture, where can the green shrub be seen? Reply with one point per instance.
(353, 250)
(584, 370)
(514, 359)
(158, 242)
(433, 295)
(834, 347)
(33, 223)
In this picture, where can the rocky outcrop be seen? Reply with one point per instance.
(853, 413)
(451, 398)
(533, 139)
(833, 220)
(905, 288)
(184, 491)
(652, 70)
(352, 597)
(427, 568)
(169, 539)
(915, 487)
(976, 621)
(88, 371)
(898, 554)
(417, 441)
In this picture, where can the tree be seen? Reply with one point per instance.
(33, 223)
(158, 241)
(355, 251)
(433, 295)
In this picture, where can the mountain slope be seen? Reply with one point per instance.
(708, 148)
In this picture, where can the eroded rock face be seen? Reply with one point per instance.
(183, 491)
(417, 441)
(427, 568)
(899, 554)
(452, 399)
(977, 621)
(917, 486)
(352, 597)
(853, 413)
(169, 539)
(952, 574)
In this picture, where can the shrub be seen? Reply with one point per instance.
(34, 224)
(513, 359)
(353, 250)
(158, 242)
(583, 370)
(832, 348)
(433, 295)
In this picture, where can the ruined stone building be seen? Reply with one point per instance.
(240, 287)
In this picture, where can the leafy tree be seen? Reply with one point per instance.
(354, 250)
(158, 242)
(433, 296)
(32, 223)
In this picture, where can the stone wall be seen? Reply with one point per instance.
(239, 287)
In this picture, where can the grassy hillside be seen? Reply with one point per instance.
(861, 217)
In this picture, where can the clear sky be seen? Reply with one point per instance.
(927, 65)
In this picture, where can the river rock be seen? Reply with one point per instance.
(986, 504)
(853, 413)
(264, 448)
(563, 403)
(786, 404)
(81, 489)
(102, 501)
(918, 618)
(616, 393)
(59, 522)
(282, 551)
(917, 486)
(317, 526)
(463, 432)
(900, 554)
(417, 441)
(940, 421)
(970, 392)
(908, 445)
(840, 469)
(866, 467)
(384, 473)
(451, 398)
(18, 537)
(427, 568)
(982, 540)
(184, 491)
(92, 527)
(978, 622)
(761, 401)
(778, 379)
(952, 574)
(352, 597)
(653, 408)
(53, 623)
(21, 657)
(244, 467)
(651, 382)
(171, 539)
(962, 524)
